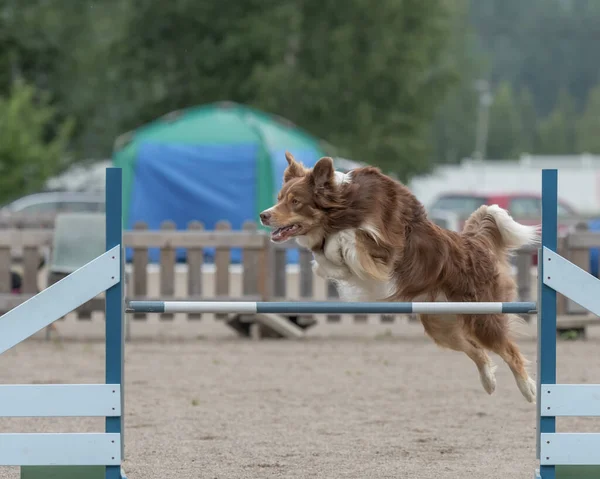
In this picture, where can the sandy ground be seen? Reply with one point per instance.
(350, 401)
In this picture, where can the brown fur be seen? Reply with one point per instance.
(425, 261)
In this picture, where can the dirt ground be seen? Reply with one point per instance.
(350, 401)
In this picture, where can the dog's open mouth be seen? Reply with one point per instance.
(284, 233)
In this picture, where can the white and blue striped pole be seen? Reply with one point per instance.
(328, 307)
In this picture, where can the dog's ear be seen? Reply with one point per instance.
(294, 169)
(323, 172)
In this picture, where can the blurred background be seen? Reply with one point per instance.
(410, 86)
(464, 101)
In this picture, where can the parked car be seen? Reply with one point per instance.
(53, 202)
(526, 208)
(523, 207)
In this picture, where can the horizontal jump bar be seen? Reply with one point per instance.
(327, 307)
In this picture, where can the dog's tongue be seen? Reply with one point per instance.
(281, 234)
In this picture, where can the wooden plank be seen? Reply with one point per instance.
(279, 273)
(19, 239)
(251, 278)
(195, 259)
(31, 263)
(167, 268)
(332, 295)
(225, 298)
(10, 301)
(561, 301)
(306, 274)
(27, 220)
(306, 282)
(222, 261)
(579, 257)
(250, 262)
(584, 239)
(265, 269)
(5, 283)
(576, 321)
(140, 269)
(523, 264)
(60, 400)
(194, 239)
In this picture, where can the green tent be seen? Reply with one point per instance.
(221, 161)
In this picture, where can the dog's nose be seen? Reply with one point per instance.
(264, 217)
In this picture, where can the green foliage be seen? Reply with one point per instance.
(505, 131)
(27, 157)
(365, 79)
(528, 116)
(588, 127)
(454, 127)
(557, 130)
(392, 85)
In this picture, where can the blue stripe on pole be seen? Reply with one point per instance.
(518, 308)
(146, 307)
(114, 303)
(547, 320)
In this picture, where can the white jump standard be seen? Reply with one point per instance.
(72, 455)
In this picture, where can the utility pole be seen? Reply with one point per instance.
(483, 114)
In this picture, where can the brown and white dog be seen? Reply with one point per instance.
(371, 235)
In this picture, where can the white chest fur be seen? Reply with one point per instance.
(340, 263)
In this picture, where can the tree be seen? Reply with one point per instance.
(529, 121)
(504, 137)
(368, 80)
(365, 79)
(27, 156)
(454, 127)
(556, 132)
(588, 127)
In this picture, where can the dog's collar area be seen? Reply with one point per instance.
(320, 248)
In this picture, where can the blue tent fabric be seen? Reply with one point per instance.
(194, 182)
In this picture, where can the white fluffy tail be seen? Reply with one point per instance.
(514, 235)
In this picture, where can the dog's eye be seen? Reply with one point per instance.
(295, 202)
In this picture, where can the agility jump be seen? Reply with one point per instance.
(561, 455)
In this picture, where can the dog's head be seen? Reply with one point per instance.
(303, 200)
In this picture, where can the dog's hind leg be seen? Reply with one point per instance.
(447, 332)
(510, 353)
(492, 332)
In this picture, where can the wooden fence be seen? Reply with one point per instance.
(262, 274)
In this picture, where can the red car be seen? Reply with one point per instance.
(526, 208)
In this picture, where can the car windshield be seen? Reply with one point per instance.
(458, 204)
